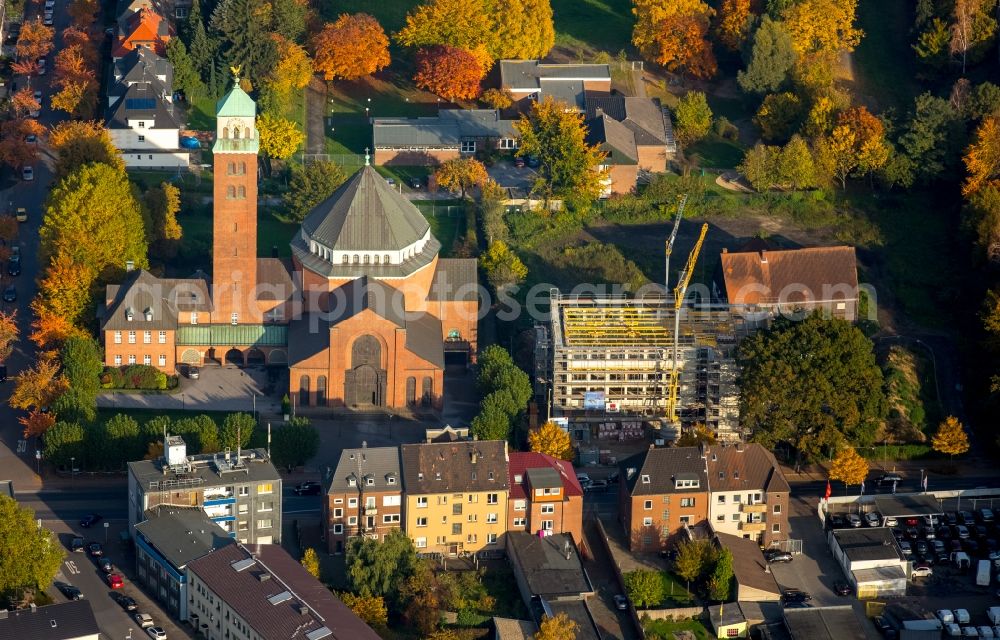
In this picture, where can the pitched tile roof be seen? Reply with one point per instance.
(643, 116)
(248, 596)
(478, 465)
(378, 463)
(455, 279)
(744, 466)
(365, 214)
(141, 290)
(656, 471)
(614, 139)
(749, 565)
(789, 276)
(522, 461)
(66, 621)
(143, 26)
(142, 65)
(550, 565)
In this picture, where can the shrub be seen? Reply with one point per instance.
(135, 376)
(725, 129)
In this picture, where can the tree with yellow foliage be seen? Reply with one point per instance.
(552, 440)
(8, 333)
(39, 386)
(311, 562)
(64, 290)
(871, 148)
(559, 627)
(950, 437)
(293, 71)
(371, 609)
(982, 158)
(461, 174)
(734, 23)
(820, 29)
(673, 34)
(80, 142)
(848, 466)
(279, 137)
(835, 155)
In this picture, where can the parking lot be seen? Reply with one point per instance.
(507, 175)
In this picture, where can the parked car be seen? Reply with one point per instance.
(28, 173)
(921, 570)
(795, 595)
(905, 547)
(13, 267)
(970, 632)
(931, 521)
(90, 520)
(144, 620)
(966, 517)
(890, 477)
(308, 488)
(961, 532)
(872, 519)
(95, 549)
(961, 616)
(837, 521)
(890, 521)
(77, 545)
(21, 215)
(842, 588)
(41, 66)
(115, 581)
(598, 486)
(105, 565)
(985, 631)
(584, 480)
(774, 555)
(621, 602)
(985, 515)
(797, 605)
(921, 547)
(519, 162)
(125, 602)
(951, 518)
(69, 591)
(885, 628)
(193, 373)
(953, 630)
(946, 616)
(854, 520)
(415, 183)
(157, 633)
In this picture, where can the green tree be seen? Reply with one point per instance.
(692, 560)
(163, 202)
(492, 211)
(117, 442)
(186, 76)
(497, 371)
(81, 365)
(288, 18)
(568, 166)
(311, 562)
(244, 28)
(200, 433)
(379, 567)
(93, 217)
(295, 443)
(65, 441)
(237, 428)
(203, 49)
(502, 266)
(771, 59)
(694, 117)
(933, 137)
(30, 555)
(812, 403)
(720, 584)
(932, 44)
(796, 166)
(984, 101)
(421, 597)
(779, 116)
(310, 184)
(495, 414)
(760, 166)
(645, 588)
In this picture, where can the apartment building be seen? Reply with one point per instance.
(236, 594)
(661, 492)
(544, 495)
(238, 490)
(456, 496)
(364, 497)
(748, 493)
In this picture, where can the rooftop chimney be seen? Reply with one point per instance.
(129, 265)
(763, 256)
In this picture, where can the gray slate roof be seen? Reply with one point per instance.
(143, 65)
(143, 101)
(663, 466)
(448, 467)
(247, 595)
(546, 569)
(65, 621)
(614, 139)
(378, 463)
(446, 130)
(455, 279)
(182, 535)
(643, 116)
(824, 623)
(142, 290)
(528, 74)
(365, 214)
(743, 467)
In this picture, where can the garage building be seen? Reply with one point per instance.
(871, 560)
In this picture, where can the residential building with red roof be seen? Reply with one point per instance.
(144, 28)
(544, 494)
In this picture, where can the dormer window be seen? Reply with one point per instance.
(645, 479)
(351, 482)
(518, 477)
(129, 315)
(370, 482)
(149, 315)
(687, 483)
(420, 476)
(437, 475)
(390, 479)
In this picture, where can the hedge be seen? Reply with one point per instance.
(137, 376)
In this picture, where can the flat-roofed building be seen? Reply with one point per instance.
(73, 620)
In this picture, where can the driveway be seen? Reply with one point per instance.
(218, 388)
(614, 624)
(507, 175)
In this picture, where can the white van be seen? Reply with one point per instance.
(993, 613)
(961, 559)
(983, 573)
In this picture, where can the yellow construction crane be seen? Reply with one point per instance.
(670, 241)
(679, 291)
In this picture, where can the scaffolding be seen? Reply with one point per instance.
(625, 349)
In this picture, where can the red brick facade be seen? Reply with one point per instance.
(234, 238)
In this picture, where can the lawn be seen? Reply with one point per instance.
(391, 14)
(715, 152)
(665, 629)
(201, 113)
(884, 64)
(677, 593)
(588, 26)
(447, 220)
(346, 134)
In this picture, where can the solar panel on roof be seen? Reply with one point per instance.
(140, 103)
(246, 563)
(284, 596)
(316, 634)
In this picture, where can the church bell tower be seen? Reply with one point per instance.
(234, 237)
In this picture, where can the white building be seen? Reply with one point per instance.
(144, 127)
(871, 560)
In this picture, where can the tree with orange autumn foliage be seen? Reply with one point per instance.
(49, 331)
(8, 334)
(352, 47)
(82, 12)
(15, 151)
(78, 142)
(65, 289)
(39, 386)
(673, 34)
(74, 37)
(454, 74)
(76, 98)
(871, 149)
(23, 102)
(36, 423)
(982, 158)
(734, 23)
(70, 66)
(34, 41)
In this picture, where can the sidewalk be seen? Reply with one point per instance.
(820, 471)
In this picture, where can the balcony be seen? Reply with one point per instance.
(371, 511)
(752, 527)
(759, 507)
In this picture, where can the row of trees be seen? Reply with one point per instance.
(505, 389)
(954, 33)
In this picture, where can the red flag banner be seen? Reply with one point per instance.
(828, 490)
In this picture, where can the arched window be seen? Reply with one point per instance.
(230, 192)
(304, 391)
(346, 259)
(367, 258)
(356, 259)
(427, 392)
(249, 133)
(242, 192)
(231, 169)
(243, 168)
(411, 391)
(225, 132)
(321, 391)
(376, 258)
(236, 133)
(387, 258)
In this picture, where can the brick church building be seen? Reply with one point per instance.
(364, 315)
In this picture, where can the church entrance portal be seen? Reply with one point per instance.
(364, 382)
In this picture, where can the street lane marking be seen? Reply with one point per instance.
(72, 567)
(22, 446)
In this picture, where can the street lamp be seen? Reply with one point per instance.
(72, 465)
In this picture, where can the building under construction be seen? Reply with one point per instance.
(615, 355)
